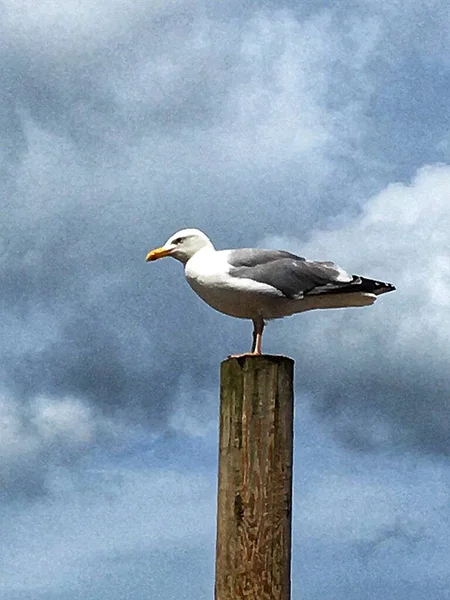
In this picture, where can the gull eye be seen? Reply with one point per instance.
(177, 241)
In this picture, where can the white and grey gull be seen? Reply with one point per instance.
(260, 285)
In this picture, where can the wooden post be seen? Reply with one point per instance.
(253, 553)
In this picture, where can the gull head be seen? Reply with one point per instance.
(182, 245)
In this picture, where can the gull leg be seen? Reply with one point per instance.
(258, 328)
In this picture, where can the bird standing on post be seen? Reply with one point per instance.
(260, 285)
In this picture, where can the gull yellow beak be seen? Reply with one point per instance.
(158, 253)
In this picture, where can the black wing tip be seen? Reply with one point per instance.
(377, 287)
(357, 285)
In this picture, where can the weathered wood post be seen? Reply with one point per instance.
(253, 553)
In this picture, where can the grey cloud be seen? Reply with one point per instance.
(396, 533)
(124, 121)
(139, 123)
(78, 225)
(102, 520)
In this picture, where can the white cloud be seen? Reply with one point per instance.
(47, 437)
(67, 418)
(45, 422)
(390, 360)
(77, 25)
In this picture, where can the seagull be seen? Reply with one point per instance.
(261, 285)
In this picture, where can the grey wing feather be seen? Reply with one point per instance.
(292, 275)
(253, 257)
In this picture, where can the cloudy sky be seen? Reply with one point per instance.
(319, 127)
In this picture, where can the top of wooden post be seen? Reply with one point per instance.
(271, 358)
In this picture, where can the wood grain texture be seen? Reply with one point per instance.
(253, 552)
